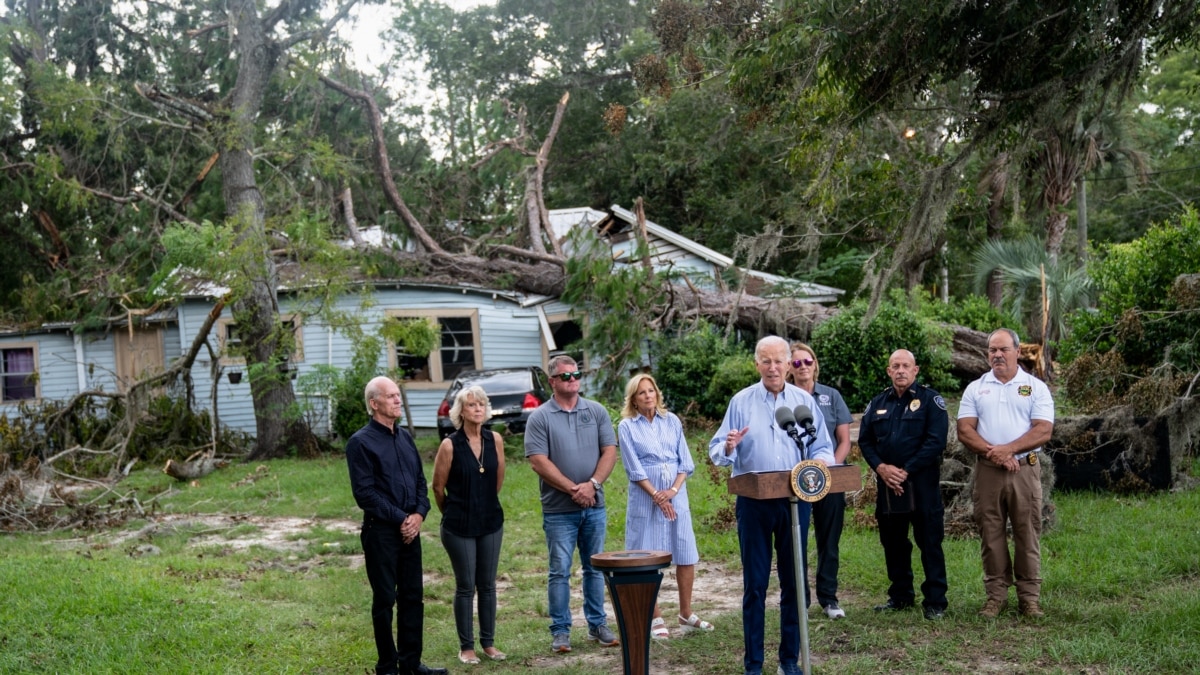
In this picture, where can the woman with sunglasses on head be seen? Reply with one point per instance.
(828, 513)
(658, 518)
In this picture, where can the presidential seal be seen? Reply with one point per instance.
(810, 480)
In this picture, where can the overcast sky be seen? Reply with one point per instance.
(370, 51)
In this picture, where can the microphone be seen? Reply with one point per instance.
(787, 421)
(803, 415)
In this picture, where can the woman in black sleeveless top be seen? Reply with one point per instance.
(467, 475)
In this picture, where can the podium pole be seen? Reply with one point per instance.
(800, 568)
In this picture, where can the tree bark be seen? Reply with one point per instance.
(539, 178)
(996, 186)
(257, 312)
(1056, 230)
(197, 468)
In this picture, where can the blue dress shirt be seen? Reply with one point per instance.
(766, 446)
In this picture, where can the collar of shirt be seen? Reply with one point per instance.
(767, 447)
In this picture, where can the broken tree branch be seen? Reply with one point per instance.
(383, 168)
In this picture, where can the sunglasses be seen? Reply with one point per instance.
(802, 362)
(567, 377)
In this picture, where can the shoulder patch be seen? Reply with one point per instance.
(939, 402)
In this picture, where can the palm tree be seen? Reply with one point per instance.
(1067, 150)
(1024, 266)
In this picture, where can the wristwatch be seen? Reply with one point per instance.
(595, 484)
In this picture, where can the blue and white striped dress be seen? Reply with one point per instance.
(656, 450)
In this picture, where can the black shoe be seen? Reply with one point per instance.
(935, 613)
(426, 670)
(892, 606)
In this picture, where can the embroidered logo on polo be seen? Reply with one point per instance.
(823, 399)
(1025, 390)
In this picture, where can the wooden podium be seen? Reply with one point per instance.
(778, 485)
(634, 578)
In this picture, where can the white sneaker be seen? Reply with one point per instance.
(833, 611)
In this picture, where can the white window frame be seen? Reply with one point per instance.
(436, 379)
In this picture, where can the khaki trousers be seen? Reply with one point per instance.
(1001, 496)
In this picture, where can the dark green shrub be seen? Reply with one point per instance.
(734, 374)
(973, 311)
(684, 366)
(854, 360)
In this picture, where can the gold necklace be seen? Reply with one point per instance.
(478, 459)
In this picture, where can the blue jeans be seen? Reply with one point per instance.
(584, 529)
(764, 524)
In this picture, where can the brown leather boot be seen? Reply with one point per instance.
(992, 608)
(1032, 609)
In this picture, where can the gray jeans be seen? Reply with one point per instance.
(475, 560)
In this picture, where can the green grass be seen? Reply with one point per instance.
(1122, 589)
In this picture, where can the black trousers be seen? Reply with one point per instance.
(394, 571)
(829, 516)
(928, 529)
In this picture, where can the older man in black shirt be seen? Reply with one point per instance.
(902, 436)
(389, 486)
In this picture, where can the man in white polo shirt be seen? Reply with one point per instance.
(1005, 417)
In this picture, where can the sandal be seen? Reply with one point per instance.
(658, 629)
(694, 623)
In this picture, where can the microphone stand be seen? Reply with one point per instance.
(800, 568)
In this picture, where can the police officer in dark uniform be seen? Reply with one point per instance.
(902, 437)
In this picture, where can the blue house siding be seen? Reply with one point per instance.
(100, 359)
(507, 335)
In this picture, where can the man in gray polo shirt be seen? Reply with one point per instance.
(570, 444)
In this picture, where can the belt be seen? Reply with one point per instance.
(1030, 458)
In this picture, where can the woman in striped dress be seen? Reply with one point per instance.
(658, 518)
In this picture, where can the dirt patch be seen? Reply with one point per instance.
(234, 532)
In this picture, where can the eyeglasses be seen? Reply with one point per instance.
(802, 362)
(567, 377)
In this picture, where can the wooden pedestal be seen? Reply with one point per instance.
(633, 578)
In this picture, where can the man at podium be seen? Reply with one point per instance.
(750, 441)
